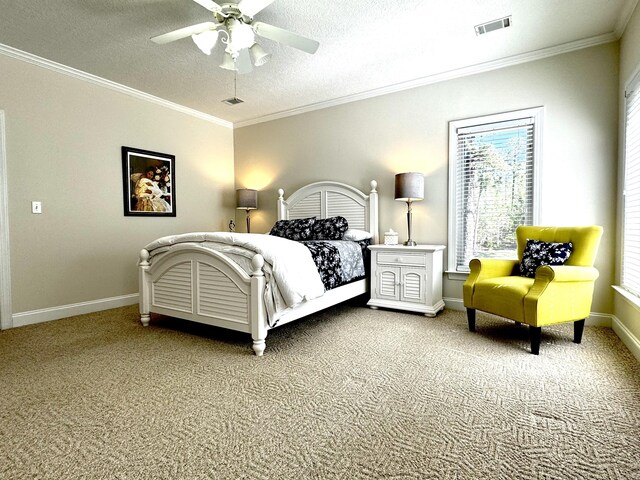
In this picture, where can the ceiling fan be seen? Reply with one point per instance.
(234, 21)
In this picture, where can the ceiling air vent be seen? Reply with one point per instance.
(233, 101)
(493, 25)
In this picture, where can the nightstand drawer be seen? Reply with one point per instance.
(399, 258)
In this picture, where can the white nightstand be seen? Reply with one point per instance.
(407, 278)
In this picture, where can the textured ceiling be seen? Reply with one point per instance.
(365, 45)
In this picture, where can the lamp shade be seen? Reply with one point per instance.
(227, 62)
(206, 40)
(246, 199)
(258, 55)
(409, 186)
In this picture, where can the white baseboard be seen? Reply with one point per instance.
(594, 319)
(628, 338)
(599, 320)
(46, 314)
(454, 303)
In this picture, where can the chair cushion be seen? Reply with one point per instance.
(537, 253)
(502, 296)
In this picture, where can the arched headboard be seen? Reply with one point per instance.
(329, 199)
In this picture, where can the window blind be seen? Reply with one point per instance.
(631, 227)
(495, 186)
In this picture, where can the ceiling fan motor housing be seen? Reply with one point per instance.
(231, 10)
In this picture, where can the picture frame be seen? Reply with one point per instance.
(148, 183)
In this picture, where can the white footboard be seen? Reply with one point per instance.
(201, 285)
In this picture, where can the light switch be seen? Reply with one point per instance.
(36, 207)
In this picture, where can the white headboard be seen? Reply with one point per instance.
(328, 199)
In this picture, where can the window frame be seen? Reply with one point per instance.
(632, 87)
(537, 116)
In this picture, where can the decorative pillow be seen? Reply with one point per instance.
(537, 253)
(332, 228)
(300, 229)
(356, 235)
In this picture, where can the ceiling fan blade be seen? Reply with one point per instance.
(209, 5)
(184, 32)
(251, 7)
(285, 36)
(243, 62)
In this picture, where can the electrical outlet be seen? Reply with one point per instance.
(36, 207)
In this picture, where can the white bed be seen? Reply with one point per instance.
(192, 283)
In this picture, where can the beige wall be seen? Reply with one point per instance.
(625, 312)
(408, 131)
(63, 140)
(630, 48)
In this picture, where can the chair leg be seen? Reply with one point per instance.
(578, 328)
(471, 319)
(535, 333)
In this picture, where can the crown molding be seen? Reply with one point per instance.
(79, 74)
(440, 77)
(419, 82)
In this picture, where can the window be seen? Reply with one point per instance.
(630, 277)
(493, 163)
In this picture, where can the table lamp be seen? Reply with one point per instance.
(409, 188)
(247, 199)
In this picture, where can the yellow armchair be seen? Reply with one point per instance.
(557, 294)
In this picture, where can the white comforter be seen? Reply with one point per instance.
(289, 263)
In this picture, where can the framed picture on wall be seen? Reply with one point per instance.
(148, 181)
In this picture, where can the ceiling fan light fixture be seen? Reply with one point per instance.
(228, 63)
(206, 40)
(258, 55)
(241, 34)
(234, 26)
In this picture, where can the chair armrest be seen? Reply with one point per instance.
(559, 294)
(482, 268)
(566, 273)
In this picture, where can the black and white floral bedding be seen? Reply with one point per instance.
(297, 230)
(338, 261)
(332, 228)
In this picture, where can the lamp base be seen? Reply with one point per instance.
(410, 243)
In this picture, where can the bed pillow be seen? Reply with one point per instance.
(299, 229)
(356, 235)
(537, 253)
(332, 228)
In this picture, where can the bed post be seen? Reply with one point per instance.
(373, 211)
(144, 288)
(282, 206)
(258, 314)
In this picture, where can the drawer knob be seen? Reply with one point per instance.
(399, 259)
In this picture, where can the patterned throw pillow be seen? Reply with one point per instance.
(300, 229)
(332, 228)
(537, 254)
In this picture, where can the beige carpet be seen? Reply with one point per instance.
(347, 393)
